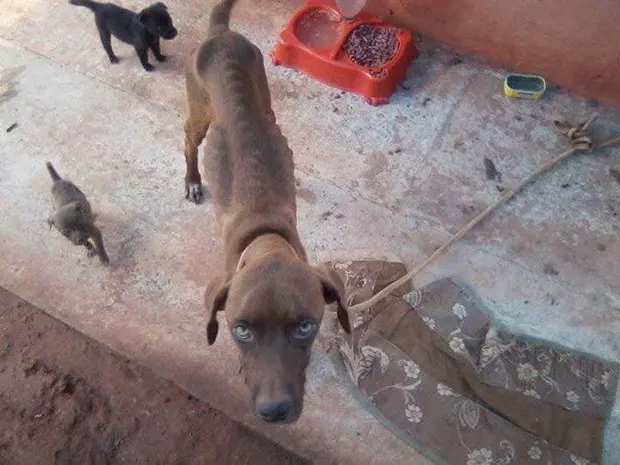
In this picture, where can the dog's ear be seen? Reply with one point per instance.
(215, 301)
(333, 291)
(143, 16)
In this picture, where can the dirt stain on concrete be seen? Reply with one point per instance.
(8, 83)
(550, 269)
(307, 195)
(377, 164)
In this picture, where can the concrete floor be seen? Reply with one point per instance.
(546, 263)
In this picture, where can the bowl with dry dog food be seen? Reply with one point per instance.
(363, 55)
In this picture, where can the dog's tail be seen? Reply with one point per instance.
(220, 18)
(53, 173)
(87, 3)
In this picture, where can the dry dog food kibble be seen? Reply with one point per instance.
(371, 46)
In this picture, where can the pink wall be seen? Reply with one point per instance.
(572, 43)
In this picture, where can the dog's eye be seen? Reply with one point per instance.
(242, 332)
(305, 330)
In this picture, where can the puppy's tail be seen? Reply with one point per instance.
(87, 3)
(53, 173)
(220, 18)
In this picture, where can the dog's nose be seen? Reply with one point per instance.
(275, 411)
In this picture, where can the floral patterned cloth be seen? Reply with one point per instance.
(436, 369)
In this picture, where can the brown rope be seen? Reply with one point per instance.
(581, 143)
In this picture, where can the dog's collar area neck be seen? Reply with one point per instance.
(245, 252)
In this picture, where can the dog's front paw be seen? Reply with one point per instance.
(149, 67)
(91, 253)
(161, 58)
(193, 192)
(114, 59)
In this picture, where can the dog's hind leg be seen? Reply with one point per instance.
(105, 36)
(199, 117)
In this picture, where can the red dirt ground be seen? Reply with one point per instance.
(66, 399)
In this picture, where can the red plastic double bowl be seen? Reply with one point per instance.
(363, 55)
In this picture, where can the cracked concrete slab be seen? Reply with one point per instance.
(402, 177)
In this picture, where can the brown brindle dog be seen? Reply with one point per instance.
(273, 299)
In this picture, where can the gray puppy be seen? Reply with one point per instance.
(73, 216)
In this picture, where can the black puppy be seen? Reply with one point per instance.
(142, 30)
